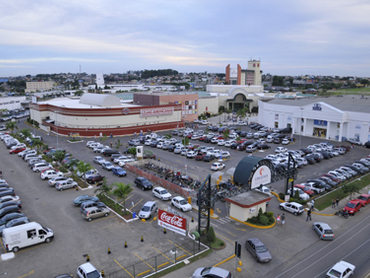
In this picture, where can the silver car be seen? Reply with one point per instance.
(148, 210)
(214, 272)
(65, 185)
(258, 250)
(323, 230)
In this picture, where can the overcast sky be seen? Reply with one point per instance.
(316, 37)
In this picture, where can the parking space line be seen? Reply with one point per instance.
(135, 204)
(162, 254)
(179, 247)
(142, 273)
(124, 268)
(103, 218)
(29, 273)
(166, 263)
(225, 238)
(106, 226)
(178, 258)
(127, 198)
(144, 261)
(1, 242)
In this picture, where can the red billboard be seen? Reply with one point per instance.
(156, 112)
(172, 222)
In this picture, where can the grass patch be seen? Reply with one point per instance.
(352, 91)
(326, 201)
(115, 206)
(180, 265)
(217, 243)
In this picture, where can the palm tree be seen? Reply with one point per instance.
(37, 143)
(185, 141)
(104, 189)
(11, 125)
(167, 136)
(59, 156)
(122, 191)
(26, 132)
(83, 167)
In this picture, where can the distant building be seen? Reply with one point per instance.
(251, 76)
(38, 86)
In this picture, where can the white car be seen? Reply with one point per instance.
(270, 156)
(195, 136)
(221, 142)
(49, 174)
(341, 269)
(88, 143)
(191, 154)
(99, 160)
(107, 165)
(65, 185)
(217, 166)
(292, 207)
(184, 151)
(302, 194)
(181, 203)
(229, 143)
(161, 193)
(121, 158)
(55, 180)
(9, 198)
(264, 189)
(123, 162)
(241, 123)
(160, 145)
(225, 154)
(281, 150)
(285, 141)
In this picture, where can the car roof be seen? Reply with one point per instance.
(322, 224)
(160, 188)
(88, 267)
(256, 241)
(149, 203)
(295, 203)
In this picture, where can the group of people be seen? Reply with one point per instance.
(335, 202)
(280, 219)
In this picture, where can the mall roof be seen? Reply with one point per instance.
(75, 103)
(355, 103)
(101, 100)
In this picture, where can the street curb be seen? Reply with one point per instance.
(274, 193)
(254, 226)
(224, 261)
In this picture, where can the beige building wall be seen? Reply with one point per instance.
(35, 86)
(243, 214)
(208, 105)
(255, 65)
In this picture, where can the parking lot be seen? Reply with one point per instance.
(75, 237)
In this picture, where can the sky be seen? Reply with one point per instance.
(289, 37)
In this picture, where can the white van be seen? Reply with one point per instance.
(25, 235)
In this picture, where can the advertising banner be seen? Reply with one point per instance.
(172, 222)
(261, 176)
(156, 112)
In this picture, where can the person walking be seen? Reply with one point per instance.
(308, 215)
(278, 219)
(313, 204)
(337, 201)
(283, 220)
(333, 203)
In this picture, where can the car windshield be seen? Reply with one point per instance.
(335, 273)
(261, 249)
(306, 188)
(362, 198)
(350, 205)
(145, 208)
(164, 192)
(206, 271)
(94, 274)
(183, 202)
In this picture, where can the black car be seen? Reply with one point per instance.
(208, 158)
(174, 132)
(10, 216)
(234, 146)
(367, 144)
(325, 154)
(242, 147)
(10, 209)
(171, 148)
(143, 183)
(243, 134)
(320, 184)
(154, 144)
(207, 140)
(109, 152)
(94, 179)
(310, 159)
(263, 147)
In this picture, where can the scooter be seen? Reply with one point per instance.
(343, 213)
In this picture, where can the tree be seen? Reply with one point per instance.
(104, 138)
(167, 136)
(59, 156)
(226, 134)
(118, 144)
(11, 126)
(122, 191)
(25, 132)
(185, 141)
(38, 144)
(104, 189)
(132, 151)
(241, 113)
(211, 235)
(351, 188)
(83, 167)
(79, 93)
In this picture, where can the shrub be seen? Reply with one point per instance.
(281, 196)
(263, 220)
(269, 214)
(260, 212)
(271, 221)
(211, 235)
(296, 195)
(253, 220)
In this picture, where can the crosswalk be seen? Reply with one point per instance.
(221, 221)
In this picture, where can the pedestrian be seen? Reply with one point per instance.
(333, 203)
(308, 215)
(111, 144)
(337, 201)
(278, 219)
(283, 220)
(312, 204)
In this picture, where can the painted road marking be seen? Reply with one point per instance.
(163, 254)
(144, 261)
(135, 204)
(124, 268)
(29, 273)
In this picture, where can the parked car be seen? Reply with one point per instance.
(6, 210)
(98, 159)
(292, 207)
(217, 166)
(49, 174)
(61, 185)
(161, 193)
(95, 212)
(148, 210)
(90, 204)
(352, 207)
(341, 269)
(214, 272)
(364, 199)
(258, 250)
(87, 270)
(305, 189)
(55, 180)
(323, 230)
(302, 194)
(13, 223)
(95, 179)
(107, 165)
(143, 183)
(84, 198)
(10, 216)
(118, 171)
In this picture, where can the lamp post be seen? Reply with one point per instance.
(300, 127)
(56, 125)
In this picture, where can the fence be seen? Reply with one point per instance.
(161, 261)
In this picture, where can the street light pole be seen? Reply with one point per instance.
(300, 127)
(56, 125)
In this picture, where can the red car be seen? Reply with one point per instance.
(202, 138)
(364, 199)
(331, 177)
(17, 150)
(352, 207)
(305, 189)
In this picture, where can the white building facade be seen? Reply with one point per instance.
(333, 118)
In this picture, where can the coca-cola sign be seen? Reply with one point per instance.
(172, 222)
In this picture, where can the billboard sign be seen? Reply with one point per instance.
(261, 176)
(156, 112)
(172, 222)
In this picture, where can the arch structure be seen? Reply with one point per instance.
(238, 99)
(253, 172)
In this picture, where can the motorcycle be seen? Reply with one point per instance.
(343, 213)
